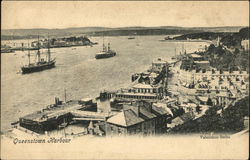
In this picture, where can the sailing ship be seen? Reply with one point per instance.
(41, 64)
(105, 53)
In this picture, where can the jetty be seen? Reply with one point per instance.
(61, 114)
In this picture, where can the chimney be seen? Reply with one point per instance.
(150, 107)
(56, 100)
(136, 108)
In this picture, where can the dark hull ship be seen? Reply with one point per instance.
(131, 37)
(38, 66)
(41, 64)
(105, 53)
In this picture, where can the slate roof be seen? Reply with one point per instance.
(146, 114)
(125, 118)
(164, 106)
(159, 110)
(175, 122)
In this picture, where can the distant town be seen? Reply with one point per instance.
(201, 92)
(43, 43)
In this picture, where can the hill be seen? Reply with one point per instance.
(106, 31)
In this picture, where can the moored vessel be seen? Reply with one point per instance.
(105, 53)
(41, 64)
(131, 37)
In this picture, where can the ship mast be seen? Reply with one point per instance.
(65, 95)
(48, 50)
(103, 46)
(183, 48)
(29, 51)
(108, 46)
(38, 51)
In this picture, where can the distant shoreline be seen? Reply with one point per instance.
(185, 41)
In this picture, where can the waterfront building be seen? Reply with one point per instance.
(212, 75)
(139, 118)
(141, 92)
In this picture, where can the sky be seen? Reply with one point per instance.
(65, 14)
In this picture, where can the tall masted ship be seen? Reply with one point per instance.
(41, 64)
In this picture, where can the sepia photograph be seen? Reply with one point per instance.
(124, 79)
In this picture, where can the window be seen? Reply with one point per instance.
(119, 131)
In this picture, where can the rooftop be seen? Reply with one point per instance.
(159, 110)
(136, 94)
(125, 118)
(159, 60)
(195, 56)
(140, 85)
(146, 113)
(202, 98)
(201, 62)
(222, 94)
(163, 106)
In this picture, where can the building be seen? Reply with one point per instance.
(139, 118)
(245, 44)
(194, 62)
(125, 122)
(212, 76)
(201, 65)
(158, 65)
(195, 57)
(188, 116)
(141, 92)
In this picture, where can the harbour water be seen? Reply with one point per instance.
(79, 72)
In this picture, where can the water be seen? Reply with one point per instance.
(78, 72)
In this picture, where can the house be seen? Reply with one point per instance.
(188, 116)
(140, 118)
(164, 115)
(124, 123)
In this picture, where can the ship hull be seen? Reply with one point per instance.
(100, 56)
(38, 68)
